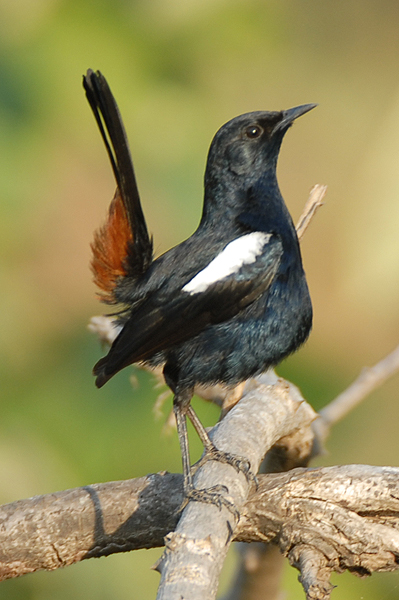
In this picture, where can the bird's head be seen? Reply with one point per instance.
(248, 145)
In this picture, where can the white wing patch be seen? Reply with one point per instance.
(242, 251)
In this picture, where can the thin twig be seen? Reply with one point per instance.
(369, 379)
(314, 202)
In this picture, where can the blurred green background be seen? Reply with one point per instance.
(179, 69)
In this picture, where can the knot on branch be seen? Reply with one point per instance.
(314, 569)
(328, 519)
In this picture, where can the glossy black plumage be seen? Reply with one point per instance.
(235, 319)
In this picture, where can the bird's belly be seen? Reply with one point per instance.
(258, 338)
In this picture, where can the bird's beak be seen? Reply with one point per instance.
(288, 116)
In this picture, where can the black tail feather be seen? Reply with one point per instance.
(110, 124)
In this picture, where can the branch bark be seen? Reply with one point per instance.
(195, 551)
(37, 538)
(324, 520)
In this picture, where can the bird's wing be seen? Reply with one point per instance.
(122, 247)
(213, 295)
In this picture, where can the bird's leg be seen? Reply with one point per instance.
(212, 495)
(180, 406)
(240, 464)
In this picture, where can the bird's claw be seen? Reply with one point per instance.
(239, 463)
(212, 495)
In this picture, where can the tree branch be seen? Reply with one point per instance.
(196, 550)
(314, 202)
(270, 410)
(324, 520)
(369, 379)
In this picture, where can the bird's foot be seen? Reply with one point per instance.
(212, 495)
(239, 463)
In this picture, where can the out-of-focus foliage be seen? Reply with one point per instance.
(179, 69)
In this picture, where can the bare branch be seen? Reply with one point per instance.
(195, 552)
(315, 574)
(266, 413)
(314, 202)
(55, 530)
(331, 519)
(327, 519)
(369, 379)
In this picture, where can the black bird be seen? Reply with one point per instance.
(228, 302)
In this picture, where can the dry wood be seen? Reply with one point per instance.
(270, 410)
(369, 379)
(195, 551)
(314, 202)
(324, 520)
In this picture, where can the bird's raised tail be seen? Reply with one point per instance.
(122, 247)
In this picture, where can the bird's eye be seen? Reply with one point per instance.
(253, 131)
